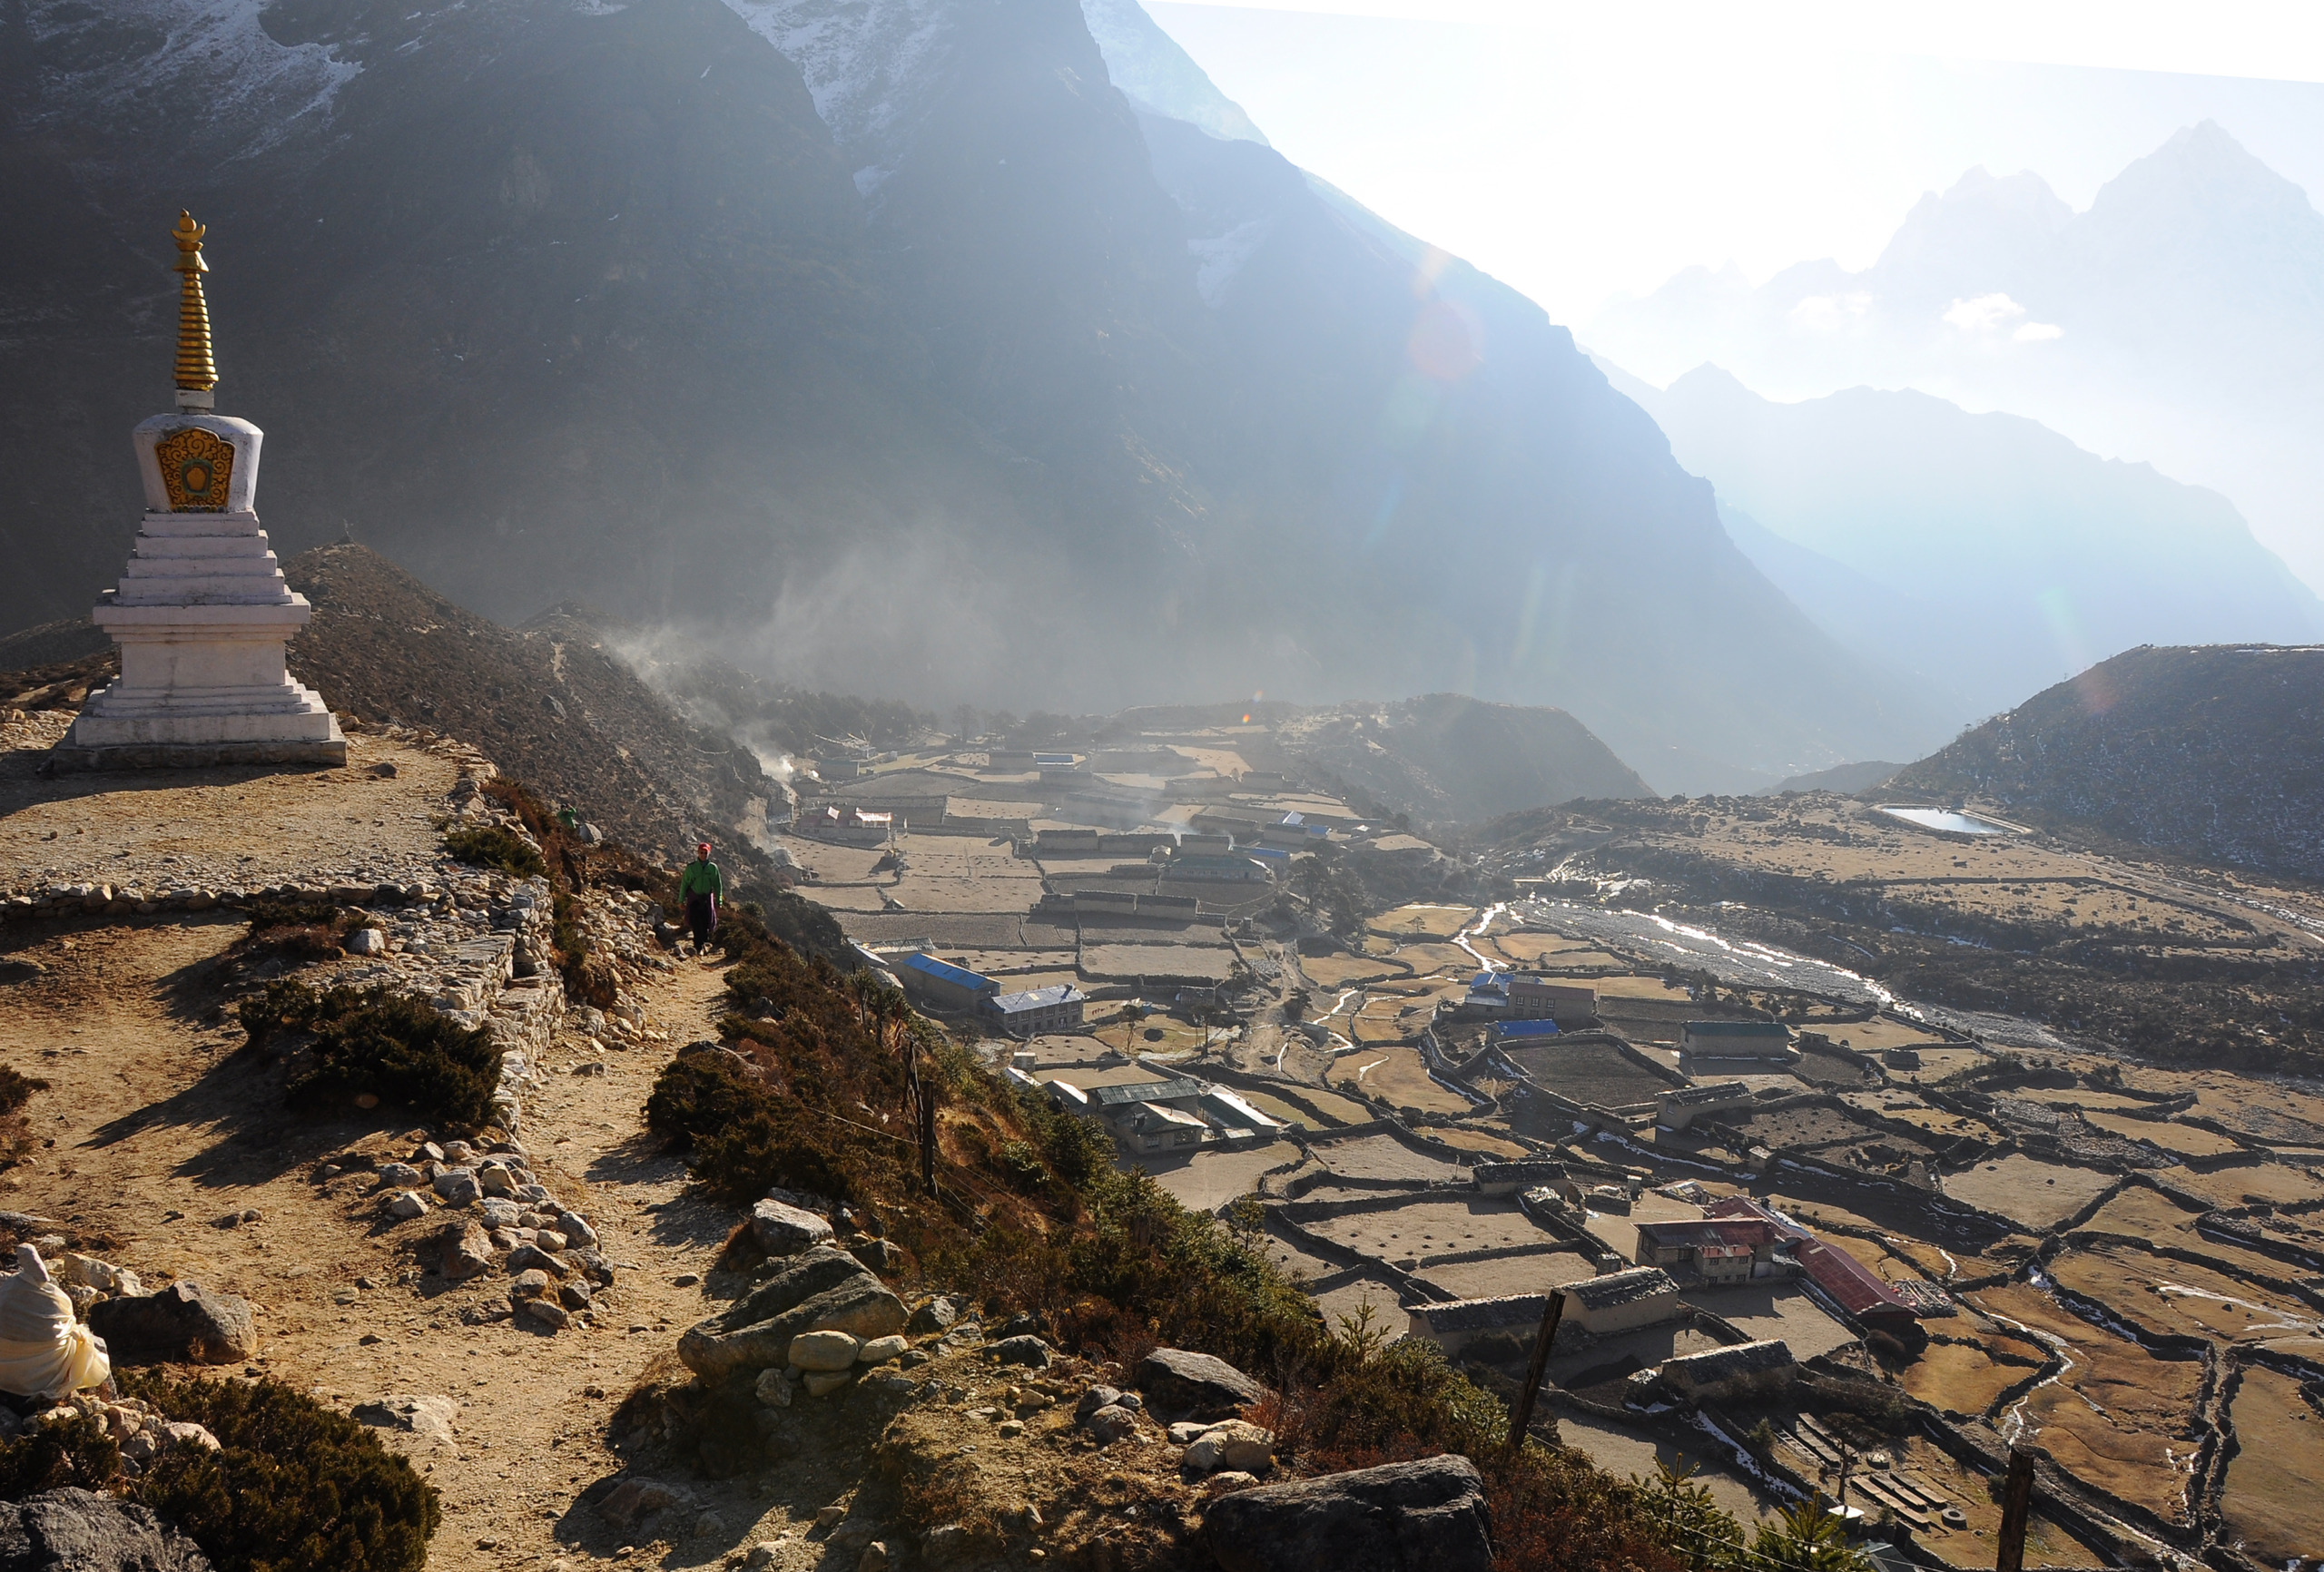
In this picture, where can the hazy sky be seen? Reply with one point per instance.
(1580, 151)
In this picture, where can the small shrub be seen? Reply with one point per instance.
(396, 1049)
(284, 1003)
(305, 942)
(15, 1132)
(489, 846)
(74, 1451)
(17, 1090)
(745, 1139)
(293, 1486)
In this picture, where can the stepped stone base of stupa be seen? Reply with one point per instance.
(201, 618)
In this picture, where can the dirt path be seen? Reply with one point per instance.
(162, 1128)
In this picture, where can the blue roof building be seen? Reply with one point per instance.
(944, 985)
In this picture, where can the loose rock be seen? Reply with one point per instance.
(185, 1323)
(466, 1250)
(784, 1230)
(414, 1424)
(1402, 1518)
(1111, 1424)
(74, 1530)
(1023, 1349)
(1194, 1385)
(1235, 1444)
(824, 1351)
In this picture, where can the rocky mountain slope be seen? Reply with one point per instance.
(2175, 320)
(888, 347)
(1989, 555)
(2213, 752)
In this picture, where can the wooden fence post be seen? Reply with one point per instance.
(2016, 1505)
(1520, 1418)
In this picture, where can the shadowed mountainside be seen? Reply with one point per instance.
(2217, 752)
(1445, 757)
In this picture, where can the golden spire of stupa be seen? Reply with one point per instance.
(196, 371)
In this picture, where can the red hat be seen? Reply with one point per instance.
(702, 846)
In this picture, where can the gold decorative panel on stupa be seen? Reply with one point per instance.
(196, 466)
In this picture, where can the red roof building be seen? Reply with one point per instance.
(1846, 1282)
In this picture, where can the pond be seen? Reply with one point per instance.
(1949, 821)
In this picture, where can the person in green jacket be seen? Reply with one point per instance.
(700, 888)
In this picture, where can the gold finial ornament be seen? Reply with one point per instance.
(196, 371)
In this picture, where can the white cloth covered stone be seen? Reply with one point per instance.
(44, 1351)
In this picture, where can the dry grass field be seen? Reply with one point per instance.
(2184, 1140)
(2175, 1296)
(1400, 1075)
(1470, 1138)
(1428, 957)
(1339, 971)
(1532, 948)
(2033, 1194)
(2259, 1183)
(1382, 1157)
(1386, 1019)
(1126, 962)
(1423, 922)
(1909, 1109)
(1535, 1273)
(2119, 1418)
(2272, 1502)
(1210, 1179)
(1434, 1227)
(1964, 1379)
(1883, 1032)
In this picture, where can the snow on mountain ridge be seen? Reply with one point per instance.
(256, 91)
(871, 68)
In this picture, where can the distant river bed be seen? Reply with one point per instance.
(1747, 963)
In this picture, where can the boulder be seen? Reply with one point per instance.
(1235, 1444)
(1022, 1349)
(1195, 1385)
(1093, 1400)
(821, 1289)
(575, 1231)
(882, 1349)
(466, 1249)
(879, 1254)
(546, 1313)
(785, 1230)
(413, 1424)
(1111, 1424)
(825, 1351)
(932, 1317)
(630, 1504)
(1424, 1516)
(185, 1323)
(822, 1383)
(73, 1530)
(533, 1258)
(457, 1187)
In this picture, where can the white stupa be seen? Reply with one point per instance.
(204, 613)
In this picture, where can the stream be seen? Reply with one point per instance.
(1747, 963)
